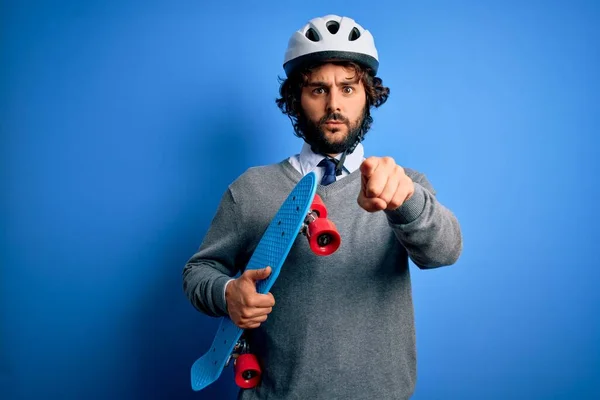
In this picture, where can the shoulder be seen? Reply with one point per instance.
(258, 180)
(259, 174)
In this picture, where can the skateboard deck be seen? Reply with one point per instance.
(272, 251)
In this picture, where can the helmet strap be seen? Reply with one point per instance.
(349, 150)
(340, 163)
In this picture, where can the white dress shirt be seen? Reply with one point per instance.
(307, 161)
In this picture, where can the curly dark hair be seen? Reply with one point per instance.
(290, 91)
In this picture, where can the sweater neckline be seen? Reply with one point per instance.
(323, 191)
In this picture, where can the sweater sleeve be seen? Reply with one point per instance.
(429, 231)
(217, 260)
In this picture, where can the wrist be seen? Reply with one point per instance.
(411, 209)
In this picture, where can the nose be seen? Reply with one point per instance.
(333, 102)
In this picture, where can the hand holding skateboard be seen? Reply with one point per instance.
(246, 307)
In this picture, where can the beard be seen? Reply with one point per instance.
(314, 132)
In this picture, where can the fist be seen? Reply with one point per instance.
(246, 307)
(384, 185)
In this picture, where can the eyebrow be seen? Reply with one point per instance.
(351, 81)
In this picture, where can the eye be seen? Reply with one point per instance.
(348, 89)
(319, 90)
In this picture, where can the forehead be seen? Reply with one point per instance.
(332, 72)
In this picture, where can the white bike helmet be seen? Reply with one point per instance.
(331, 37)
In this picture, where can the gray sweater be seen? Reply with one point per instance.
(343, 325)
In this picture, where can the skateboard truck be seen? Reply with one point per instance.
(322, 234)
(241, 347)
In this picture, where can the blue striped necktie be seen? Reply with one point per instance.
(329, 175)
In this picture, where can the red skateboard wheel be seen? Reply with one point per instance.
(247, 371)
(318, 206)
(323, 237)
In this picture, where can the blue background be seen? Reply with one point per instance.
(122, 123)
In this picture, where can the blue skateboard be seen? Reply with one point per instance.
(303, 212)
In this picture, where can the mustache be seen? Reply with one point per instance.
(333, 117)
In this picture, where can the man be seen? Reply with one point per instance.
(342, 326)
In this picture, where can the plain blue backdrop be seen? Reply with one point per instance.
(122, 123)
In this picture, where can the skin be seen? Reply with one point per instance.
(334, 101)
(330, 90)
(247, 308)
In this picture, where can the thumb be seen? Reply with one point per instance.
(258, 274)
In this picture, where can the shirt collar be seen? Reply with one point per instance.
(309, 159)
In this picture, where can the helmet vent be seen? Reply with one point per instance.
(333, 27)
(312, 35)
(354, 34)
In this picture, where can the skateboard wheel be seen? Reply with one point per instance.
(318, 206)
(323, 237)
(247, 371)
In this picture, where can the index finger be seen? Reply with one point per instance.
(369, 166)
